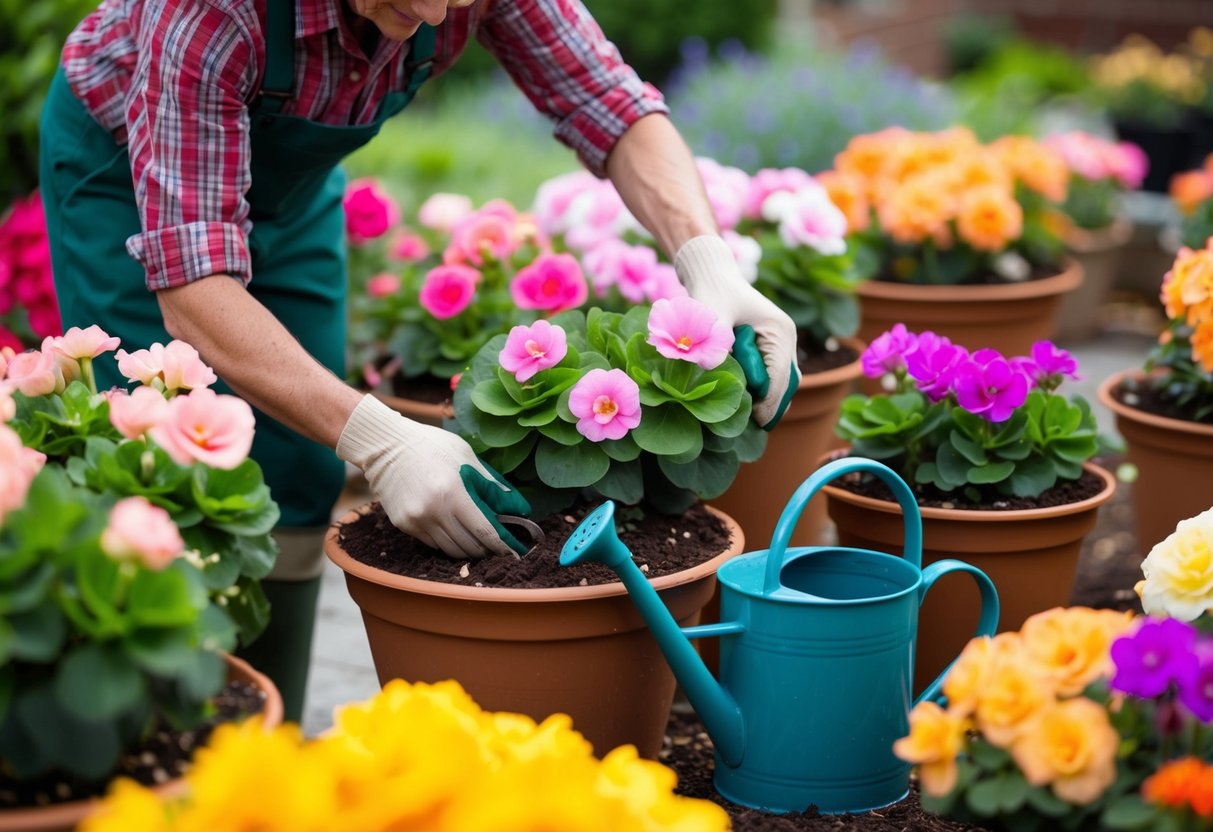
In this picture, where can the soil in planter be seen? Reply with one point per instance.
(164, 755)
(811, 359)
(1145, 398)
(688, 750)
(988, 277)
(660, 545)
(427, 389)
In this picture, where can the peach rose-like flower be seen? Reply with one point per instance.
(1187, 288)
(1190, 189)
(1071, 646)
(967, 676)
(206, 427)
(936, 737)
(137, 412)
(1179, 571)
(989, 218)
(175, 366)
(847, 192)
(79, 343)
(1014, 693)
(1071, 746)
(916, 211)
(138, 530)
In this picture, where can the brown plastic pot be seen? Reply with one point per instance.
(1174, 461)
(582, 651)
(64, 817)
(762, 488)
(1008, 317)
(1098, 251)
(1031, 556)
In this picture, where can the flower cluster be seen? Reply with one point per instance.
(28, 309)
(945, 208)
(1101, 171)
(647, 405)
(414, 757)
(1192, 192)
(1139, 82)
(975, 424)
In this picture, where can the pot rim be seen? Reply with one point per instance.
(835, 375)
(1092, 240)
(1065, 280)
(429, 410)
(978, 515)
(488, 594)
(1135, 414)
(60, 815)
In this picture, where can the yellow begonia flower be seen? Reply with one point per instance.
(128, 807)
(1071, 746)
(1179, 571)
(1014, 692)
(936, 737)
(1070, 646)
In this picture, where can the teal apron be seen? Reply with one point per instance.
(297, 247)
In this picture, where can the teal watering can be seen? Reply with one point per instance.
(816, 661)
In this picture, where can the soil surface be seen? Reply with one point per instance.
(165, 754)
(811, 361)
(989, 277)
(428, 389)
(1146, 398)
(660, 545)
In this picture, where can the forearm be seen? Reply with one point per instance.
(655, 174)
(253, 352)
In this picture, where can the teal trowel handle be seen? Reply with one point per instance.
(824, 474)
(987, 624)
(757, 379)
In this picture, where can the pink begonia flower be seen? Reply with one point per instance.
(665, 284)
(138, 530)
(408, 248)
(933, 363)
(455, 381)
(499, 208)
(746, 251)
(687, 330)
(553, 283)
(1048, 365)
(727, 189)
(1081, 152)
(177, 366)
(1130, 165)
(68, 368)
(555, 198)
(442, 212)
(606, 404)
(18, 467)
(35, 373)
(808, 218)
(478, 237)
(206, 427)
(382, 285)
(86, 343)
(448, 290)
(771, 181)
(630, 269)
(137, 412)
(990, 386)
(369, 211)
(529, 349)
(596, 215)
(8, 407)
(887, 352)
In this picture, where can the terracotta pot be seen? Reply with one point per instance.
(583, 651)
(64, 817)
(1174, 460)
(1031, 555)
(1099, 254)
(757, 497)
(1008, 317)
(426, 413)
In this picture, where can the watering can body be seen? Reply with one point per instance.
(816, 657)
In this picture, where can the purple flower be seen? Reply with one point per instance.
(1196, 686)
(1048, 365)
(933, 364)
(987, 384)
(1158, 653)
(887, 353)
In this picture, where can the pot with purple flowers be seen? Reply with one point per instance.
(999, 459)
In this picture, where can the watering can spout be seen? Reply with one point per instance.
(595, 541)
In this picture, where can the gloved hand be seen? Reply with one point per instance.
(430, 483)
(707, 268)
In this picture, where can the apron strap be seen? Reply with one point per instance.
(278, 85)
(421, 59)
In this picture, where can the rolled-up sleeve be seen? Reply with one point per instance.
(188, 129)
(558, 56)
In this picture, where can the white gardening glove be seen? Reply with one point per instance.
(707, 268)
(430, 483)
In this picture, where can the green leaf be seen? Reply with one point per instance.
(1044, 801)
(952, 467)
(735, 424)
(668, 429)
(37, 635)
(500, 431)
(722, 403)
(162, 599)
(202, 675)
(491, 397)
(991, 473)
(621, 450)
(162, 652)
(751, 444)
(623, 482)
(710, 475)
(249, 609)
(970, 450)
(1128, 812)
(96, 683)
(1032, 477)
(570, 466)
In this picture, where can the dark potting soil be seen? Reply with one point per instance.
(164, 755)
(811, 359)
(1145, 398)
(989, 277)
(427, 389)
(688, 750)
(660, 545)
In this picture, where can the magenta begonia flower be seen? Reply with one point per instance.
(553, 283)
(887, 353)
(1048, 365)
(448, 290)
(989, 385)
(933, 364)
(1158, 653)
(684, 329)
(369, 212)
(1196, 685)
(529, 349)
(606, 404)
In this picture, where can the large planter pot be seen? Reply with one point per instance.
(64, 817)
(758, 494)
(1174, 461)
(1031, 555)
(584, 650)
(1098, 251)
(1008, 317)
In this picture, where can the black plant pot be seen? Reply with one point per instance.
(1202, 137)
(1168, 149)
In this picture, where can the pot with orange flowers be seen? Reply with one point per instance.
(958, 237)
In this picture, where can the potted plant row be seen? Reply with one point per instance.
(130, 556)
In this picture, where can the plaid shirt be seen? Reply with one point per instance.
(173, 80)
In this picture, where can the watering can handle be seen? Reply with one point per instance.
(987, 624)
(912, 550)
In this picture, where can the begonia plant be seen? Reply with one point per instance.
(1101, 171)
(974, 426)
(645, 407)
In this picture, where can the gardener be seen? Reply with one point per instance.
(190, 156)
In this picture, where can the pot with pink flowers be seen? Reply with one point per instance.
(571, 411)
